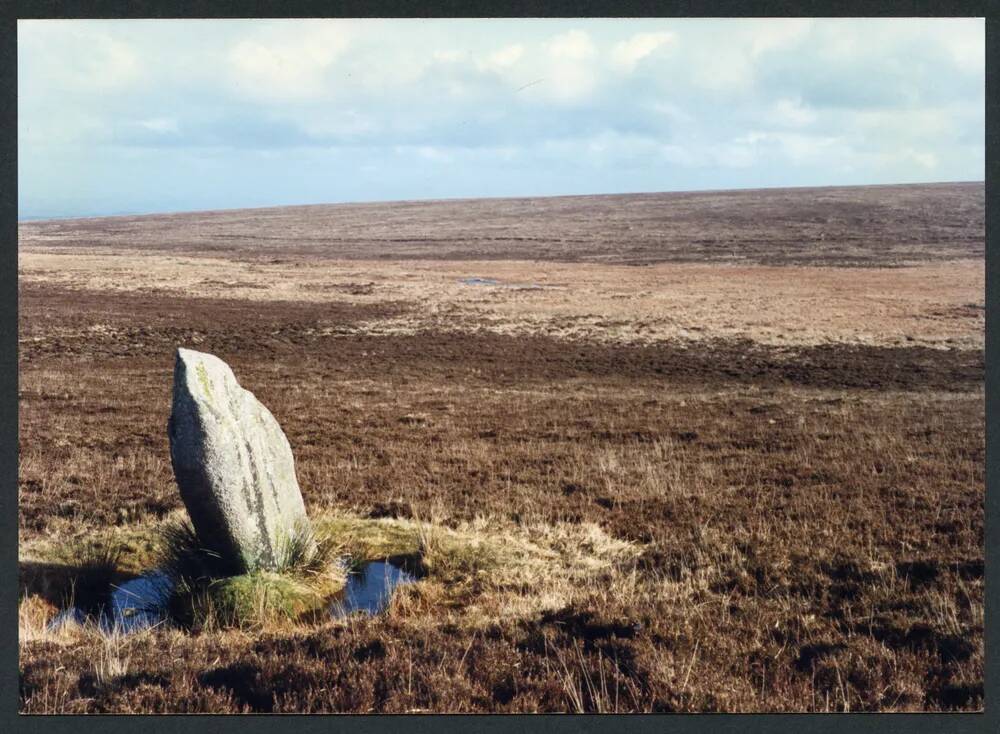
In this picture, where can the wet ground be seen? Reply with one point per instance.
(369, 589)
(133, 605)
(62, 324)
(142, 602)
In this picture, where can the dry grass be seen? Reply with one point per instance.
(34, 613)
(862, 226)
(597, 524)
(490, 569)
(207, 595)
(829, 559)
(938, 305)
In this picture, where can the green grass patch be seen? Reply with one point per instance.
(465, 562)
(207, 594)
(254, 600)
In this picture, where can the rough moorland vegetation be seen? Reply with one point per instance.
(614, 498)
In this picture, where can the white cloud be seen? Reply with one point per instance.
(964, 39)
(570, 73)
(504, 58)
(432, 153)
(777, 33)
(791, 113)
(113, 65)
(574, 45)
(570, 104)
(287, 63)
(724, 69)
(626, 54)
(923, 158)
(449, 56)
(159, 125)
(796, 147)
(79, 57)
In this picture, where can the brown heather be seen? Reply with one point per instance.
(609, 509)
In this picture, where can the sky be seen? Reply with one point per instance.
(120, 117)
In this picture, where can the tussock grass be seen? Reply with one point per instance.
(183, 557)
(98, 569)
(207, 594)
(598, 523)
(33, 616)
(495, 567)
(257, 600)
(82, 572)
(114, 659)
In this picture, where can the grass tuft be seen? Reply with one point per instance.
(208, 595)
(91, 587)
(183, 557)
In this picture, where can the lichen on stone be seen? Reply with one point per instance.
(206, 384)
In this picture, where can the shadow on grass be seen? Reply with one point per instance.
(87, 585)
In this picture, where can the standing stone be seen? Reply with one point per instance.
(233, 465)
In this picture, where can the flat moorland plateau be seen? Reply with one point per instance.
(716, 451)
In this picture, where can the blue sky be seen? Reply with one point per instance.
(145, 116)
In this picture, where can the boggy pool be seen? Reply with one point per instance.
(142, 602)
(370, 589)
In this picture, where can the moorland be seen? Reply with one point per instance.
(717, 451)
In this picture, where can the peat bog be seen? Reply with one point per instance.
(607, 497)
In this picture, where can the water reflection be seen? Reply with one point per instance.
(142, 602)
(370, 588)
(511, 286)
(134, 605)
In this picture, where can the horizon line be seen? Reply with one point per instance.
(180, 212)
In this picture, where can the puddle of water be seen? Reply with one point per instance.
(370, 589)
(73, 614)
(141, 602)
(480, 281)
(511, 286)
(134, 605)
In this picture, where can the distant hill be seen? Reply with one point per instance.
(858, 225)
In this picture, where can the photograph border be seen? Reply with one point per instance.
(10, 720)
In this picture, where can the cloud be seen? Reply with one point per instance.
(449, 56)
(626, 54)
(790, 113)
(725, 70)
(574, 45)
(963, 40)
(369, 109)
(504, 58)
(161, 125)
(81, 57)
(287, 64)
(112, 65)
(767, 36)
(567, 71)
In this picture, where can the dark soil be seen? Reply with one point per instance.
(58, 323)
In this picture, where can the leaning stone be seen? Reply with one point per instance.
(233, 465)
